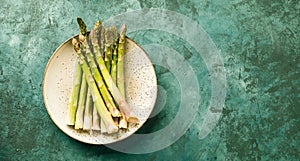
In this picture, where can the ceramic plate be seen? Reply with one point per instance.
(140, 86)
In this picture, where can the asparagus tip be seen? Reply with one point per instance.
(82, 26)
(97, 24)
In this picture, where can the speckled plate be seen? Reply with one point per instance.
(140, 86)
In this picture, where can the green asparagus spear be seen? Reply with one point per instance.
(72, 105)
(81, 104)
(97, 99)
(120, 64)
(120, 71)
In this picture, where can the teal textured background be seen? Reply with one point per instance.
(259, 43)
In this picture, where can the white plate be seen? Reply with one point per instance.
(140, 86)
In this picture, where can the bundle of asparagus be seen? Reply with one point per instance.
(98, 84)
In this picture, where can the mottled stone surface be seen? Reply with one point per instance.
(259, 43)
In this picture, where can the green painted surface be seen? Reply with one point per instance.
(259, 44)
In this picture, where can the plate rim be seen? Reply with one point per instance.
(44, 94)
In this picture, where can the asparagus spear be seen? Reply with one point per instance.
(98, 78)
(88, 112)
(72, 105)
(120, 66)
(96, 119)
(120, 71)
(118, 97)
(81, 104)
(97, 99)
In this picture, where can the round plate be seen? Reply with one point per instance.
(140, 86)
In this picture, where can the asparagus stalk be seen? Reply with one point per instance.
(72, 105)
(88, 112)
(81, 104)
(98, 78)
(120, 72)
(112, 87)
(97, 99)
(96, 119)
